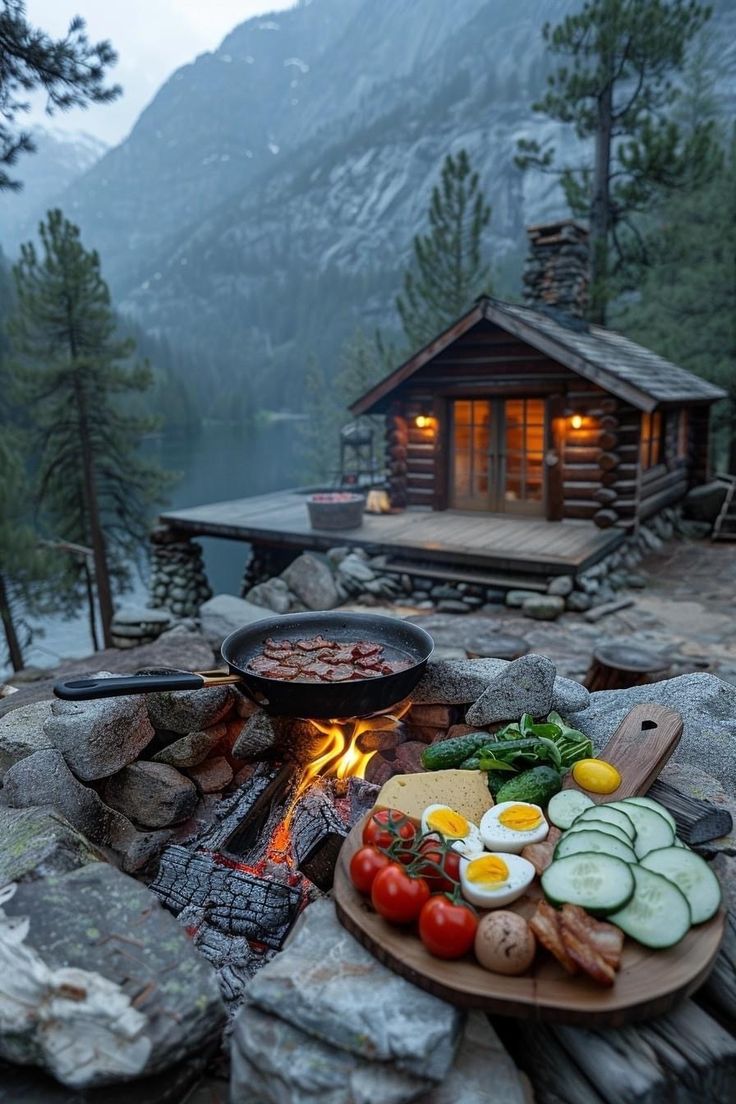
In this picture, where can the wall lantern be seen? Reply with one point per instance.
(423, 421)
(576, 421)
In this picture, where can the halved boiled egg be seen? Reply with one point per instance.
(490, 881)
(511, 825)
(461, 834)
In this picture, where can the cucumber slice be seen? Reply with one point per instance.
(566, 805)
(619, 817)
(600, 826)
(657, 915)
(652, 830)
(598, 883)
(692, 876)
(650, 803)
(573, 843)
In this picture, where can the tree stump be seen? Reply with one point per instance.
(497, 646)
(621, 665)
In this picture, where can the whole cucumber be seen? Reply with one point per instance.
(536, 785)
(451, 753)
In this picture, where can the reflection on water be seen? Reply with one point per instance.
(216, 463)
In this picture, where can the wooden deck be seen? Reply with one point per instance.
(463, 540)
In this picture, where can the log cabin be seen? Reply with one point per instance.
(530, 411)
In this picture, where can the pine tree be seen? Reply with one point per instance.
(686, 305)
(449, 269)
(74, 373)
(617, 88)
(71, 72)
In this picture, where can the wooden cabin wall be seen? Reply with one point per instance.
(668, 481)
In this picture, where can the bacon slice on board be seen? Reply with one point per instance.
(545, 923)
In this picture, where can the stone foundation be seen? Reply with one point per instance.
(178, 580)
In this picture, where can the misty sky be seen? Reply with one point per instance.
(152, 38)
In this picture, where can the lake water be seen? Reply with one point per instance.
(218, 462)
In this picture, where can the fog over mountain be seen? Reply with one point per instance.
(264, 204)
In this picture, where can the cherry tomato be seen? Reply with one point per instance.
(447, 929)
(388, 825)
(396, 896)
(431, 850)
(364, 866)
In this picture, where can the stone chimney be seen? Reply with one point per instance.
(556, 273)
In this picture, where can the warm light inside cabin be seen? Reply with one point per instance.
(422, 421)
(576, 421)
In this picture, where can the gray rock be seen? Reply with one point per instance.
(588, 585)
(577, 602)
(337, 555)
(37, 842)
(544, 607)
(617, 580)
(98, 738)
(456, 681)
(152, 794)
(483, 1071)
(636, 582)
(452, 605)
(21, 733)
(562, 585)
(142, 615)
(517, 598)
(355, 567)
(376, 1015)
(44, 779)
(274, 1062)
(311, 579)
(569, 696)
(185, 711)
(649, 540)
(525, 686)
(273, 594)
(225, 613)
(708, 708)
(191, 749)
(258, 736)
(443, 590)
(131, 995)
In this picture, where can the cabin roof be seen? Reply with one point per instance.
(618, 365)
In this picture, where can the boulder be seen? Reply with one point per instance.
(378, 1015)
(185, 711)
(708, 708)
(561, 586)
(225, 613)
(483, 1071)
(517, 598)
(191, 749)
(21, 733)
(98, 738)
(101, 984)
(452, 605)
(274, 1062)
(354, 569)
(543, 607)
(525, 686)
(212, 775)
(37, 842)
(152, 794)
(578, 602)
(311, 579)
(456, 681)
(259, 735)
(44, 779)
(569, 696)
(704, 503)
(272, 594)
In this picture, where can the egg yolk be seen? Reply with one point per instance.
(448, 823)
(596, 775)
(489, 871)
(520, 818)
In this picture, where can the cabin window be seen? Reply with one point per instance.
(650, 449)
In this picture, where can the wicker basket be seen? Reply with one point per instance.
(336, 510)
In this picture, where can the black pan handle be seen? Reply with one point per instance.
(86, 689)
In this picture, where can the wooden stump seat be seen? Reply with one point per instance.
(623, 664)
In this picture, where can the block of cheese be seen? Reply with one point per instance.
(465, 791)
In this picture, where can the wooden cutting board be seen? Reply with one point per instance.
(648, 984)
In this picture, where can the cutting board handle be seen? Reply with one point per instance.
(639, 748)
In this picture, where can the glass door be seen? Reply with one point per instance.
(497, 455)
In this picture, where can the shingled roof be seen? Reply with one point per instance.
(618, 365)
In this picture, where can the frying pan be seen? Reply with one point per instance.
(357, 698)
